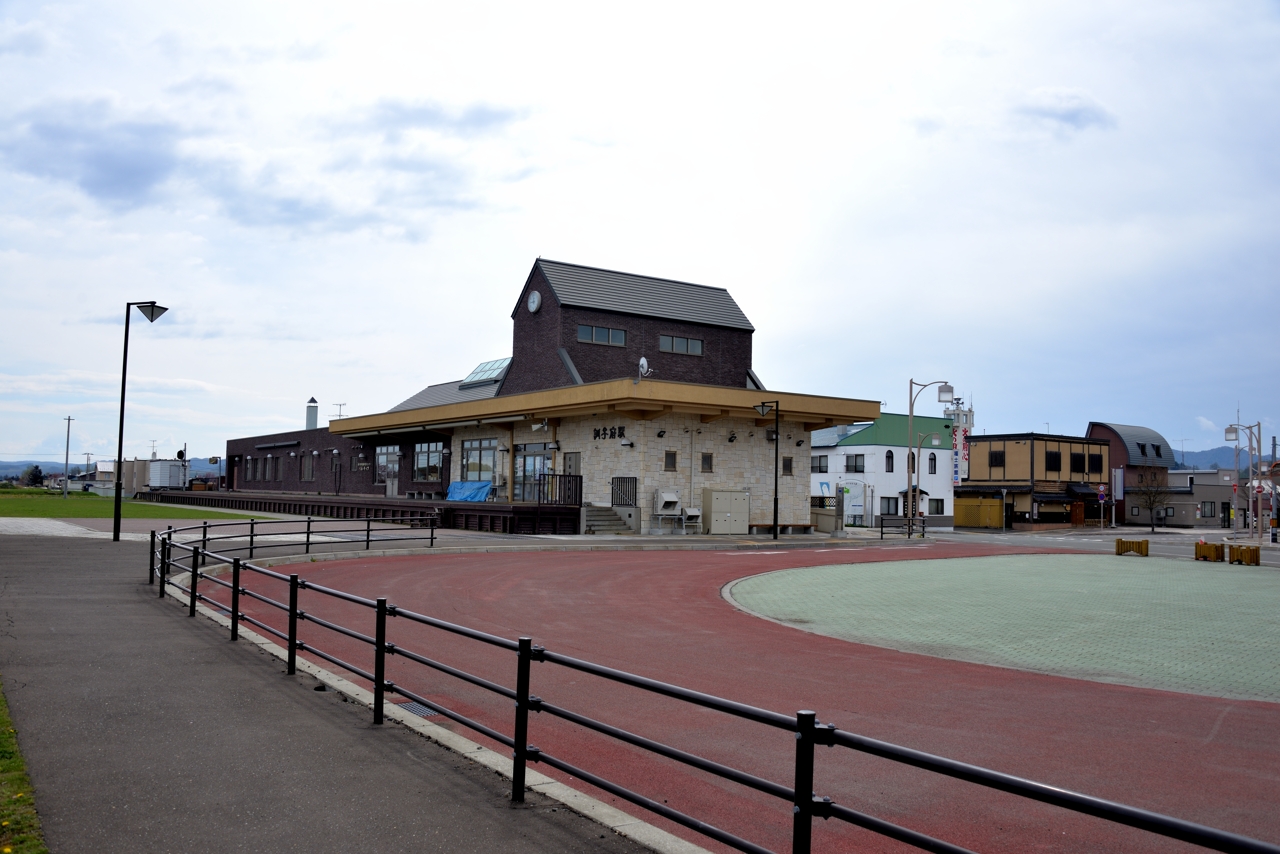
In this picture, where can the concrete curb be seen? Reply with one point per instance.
(641, 832)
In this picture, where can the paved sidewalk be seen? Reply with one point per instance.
(147, 731)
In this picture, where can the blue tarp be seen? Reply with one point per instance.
(469, 490)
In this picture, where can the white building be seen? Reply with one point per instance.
(870, 460)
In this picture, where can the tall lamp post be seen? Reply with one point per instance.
(150, 310)
(937, 440)
(1254, 433)
(763, 409)
(946, 394)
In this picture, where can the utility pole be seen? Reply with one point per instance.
(66, 459)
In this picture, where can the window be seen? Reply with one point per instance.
(1142, 448)
(1156, 448)
(308, 466)
(935, 507)
(669, 461)
(673, 344)
(888, 506)
(888, 460)
(855, 463)
(786, 465)
(478, 458)
(1077, 463)
(1095, 464)
(995, 459)
(1053, 460)
(1133, 511)
(707, 460)
(1208, 509)
(427, 457)
(933, 463)
(253, 469)
(279, 468)
(818, 464)
(602, 335)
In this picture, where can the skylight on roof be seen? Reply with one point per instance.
(487, 371)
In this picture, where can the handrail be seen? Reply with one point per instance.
(807, 731)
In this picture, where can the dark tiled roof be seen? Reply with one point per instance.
(1145, 436)
(627, 293)
(442, 393)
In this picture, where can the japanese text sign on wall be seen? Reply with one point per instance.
(609, 433)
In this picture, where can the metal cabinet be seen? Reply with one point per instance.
(725, 511)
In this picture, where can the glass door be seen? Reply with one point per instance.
(531, 463)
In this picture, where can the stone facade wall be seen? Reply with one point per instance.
(744, 464)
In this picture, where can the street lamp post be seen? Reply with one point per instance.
(946, 394)
(1254, 433)
(66, 459)
(763, 409)
(937, 440)
(150, 310)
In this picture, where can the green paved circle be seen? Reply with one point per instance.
(1177, 625)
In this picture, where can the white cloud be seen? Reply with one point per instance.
(1061, 208)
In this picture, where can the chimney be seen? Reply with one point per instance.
(313, 413)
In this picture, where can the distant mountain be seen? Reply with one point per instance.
(1223, 457)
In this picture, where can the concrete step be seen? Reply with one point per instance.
(603, 520)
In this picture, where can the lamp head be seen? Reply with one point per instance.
(1231, 434)
(764, 409)
(151, 311)
(946, 393)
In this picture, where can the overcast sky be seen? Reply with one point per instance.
(1070, 211)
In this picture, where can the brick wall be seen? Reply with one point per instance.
(536, 339)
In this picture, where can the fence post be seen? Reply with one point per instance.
(379, 659)
(368, 529)
(293, 624)
(195, 577)
(164, 565)
(151, 560)
(802, 811)
(251, 524)
(204, 543)
(235, 598)
(524, 656)
(308, 551)
(433, 532)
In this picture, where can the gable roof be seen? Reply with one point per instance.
(891, 429)
(627, 293)
(1136, 439)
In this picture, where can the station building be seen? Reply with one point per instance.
(622, 391)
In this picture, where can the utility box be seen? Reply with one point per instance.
(725, 511)
(166, 474)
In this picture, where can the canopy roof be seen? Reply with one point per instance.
(644, 400)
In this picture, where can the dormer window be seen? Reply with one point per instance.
(1157, 450)
(1142, 448)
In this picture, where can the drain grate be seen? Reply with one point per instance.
(418, 709)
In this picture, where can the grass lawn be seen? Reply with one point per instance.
(85, 505)
(19, 824)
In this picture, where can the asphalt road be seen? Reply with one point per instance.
(150, 732)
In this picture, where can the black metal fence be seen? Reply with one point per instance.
(563, 490)
(169, 556)
(623, 492)
(248, 537)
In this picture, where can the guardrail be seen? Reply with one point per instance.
(168, 555)
(904, 524)
(308, 529)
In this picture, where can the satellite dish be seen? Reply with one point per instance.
(645, 370)
(182, 455)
